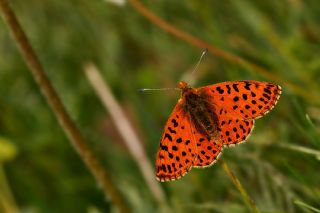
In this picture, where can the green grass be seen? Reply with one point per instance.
(278, 166)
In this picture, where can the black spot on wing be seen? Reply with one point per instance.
(221, 91)
(163, 147)
(244, 96)
(267, 91)
(247, 86)
(171, 130)
(229, 89)
(174, 122)
(266, 96)
(168, 136)
(235, 87)
(179, 140)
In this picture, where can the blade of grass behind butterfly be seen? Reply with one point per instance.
(125, 129)
(306, 206)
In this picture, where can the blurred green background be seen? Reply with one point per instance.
(279, 166)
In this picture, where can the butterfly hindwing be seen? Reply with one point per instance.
(208, 150)
(234, 130)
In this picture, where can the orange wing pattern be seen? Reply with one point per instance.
(242, 99)
(236, 105)
(177, 150)
(234, 131)
(208, 151)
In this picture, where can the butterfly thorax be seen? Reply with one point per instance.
(201, 113)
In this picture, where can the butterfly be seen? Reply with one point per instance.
(207, 119)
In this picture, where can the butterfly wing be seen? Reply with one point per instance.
(237, 104)
(177, 149)
(242, 99)
(208, 150)
(234, 131)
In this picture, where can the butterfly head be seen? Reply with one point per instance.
(183, 85)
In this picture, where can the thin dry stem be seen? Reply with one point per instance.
(74, 135)
(126, 130)
(247, 199)
(218, 52)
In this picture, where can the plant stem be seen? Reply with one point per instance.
(72, 132)
(218, 52)
(247, 199)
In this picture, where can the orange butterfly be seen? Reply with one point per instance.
(207, 119)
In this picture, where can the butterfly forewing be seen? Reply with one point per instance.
(242, 99)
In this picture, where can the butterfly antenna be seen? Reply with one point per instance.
(205, 51)
(156, 89)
